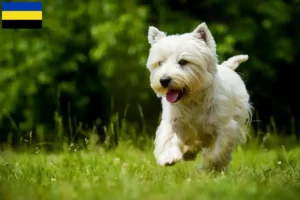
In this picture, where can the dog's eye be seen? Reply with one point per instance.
(160, 63)
(183, 62)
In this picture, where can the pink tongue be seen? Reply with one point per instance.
(172, 96)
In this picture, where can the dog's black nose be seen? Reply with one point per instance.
(165, 81)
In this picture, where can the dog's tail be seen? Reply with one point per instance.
(235, 61)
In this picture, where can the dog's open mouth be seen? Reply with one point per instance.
(173, 96)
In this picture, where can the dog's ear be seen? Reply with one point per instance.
(154, 35)
(203, 33)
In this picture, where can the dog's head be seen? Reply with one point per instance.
(181, 64)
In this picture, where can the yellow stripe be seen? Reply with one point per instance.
(22, 15)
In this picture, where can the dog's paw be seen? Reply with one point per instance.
(169, 156)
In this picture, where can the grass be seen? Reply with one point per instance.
(129, 173)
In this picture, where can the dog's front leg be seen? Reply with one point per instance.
(188, 138)
(167, 145)
(219, 154)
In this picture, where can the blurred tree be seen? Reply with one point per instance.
(89, 61)
(71, 67)
(265, 30)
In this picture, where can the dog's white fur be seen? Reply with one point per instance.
(214, 111)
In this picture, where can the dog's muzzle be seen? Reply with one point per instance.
(173, 94)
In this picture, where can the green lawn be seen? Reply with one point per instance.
(128, 173)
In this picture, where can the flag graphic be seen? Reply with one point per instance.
(22, 15)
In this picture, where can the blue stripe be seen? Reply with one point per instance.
(22, 6)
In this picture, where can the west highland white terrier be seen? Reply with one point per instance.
(205, 105)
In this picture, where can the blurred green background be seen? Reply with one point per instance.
(85, 71)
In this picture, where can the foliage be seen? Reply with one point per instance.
(64, 71)
(267, 32)
(88, 63)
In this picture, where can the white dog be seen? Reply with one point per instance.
(205, 105)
